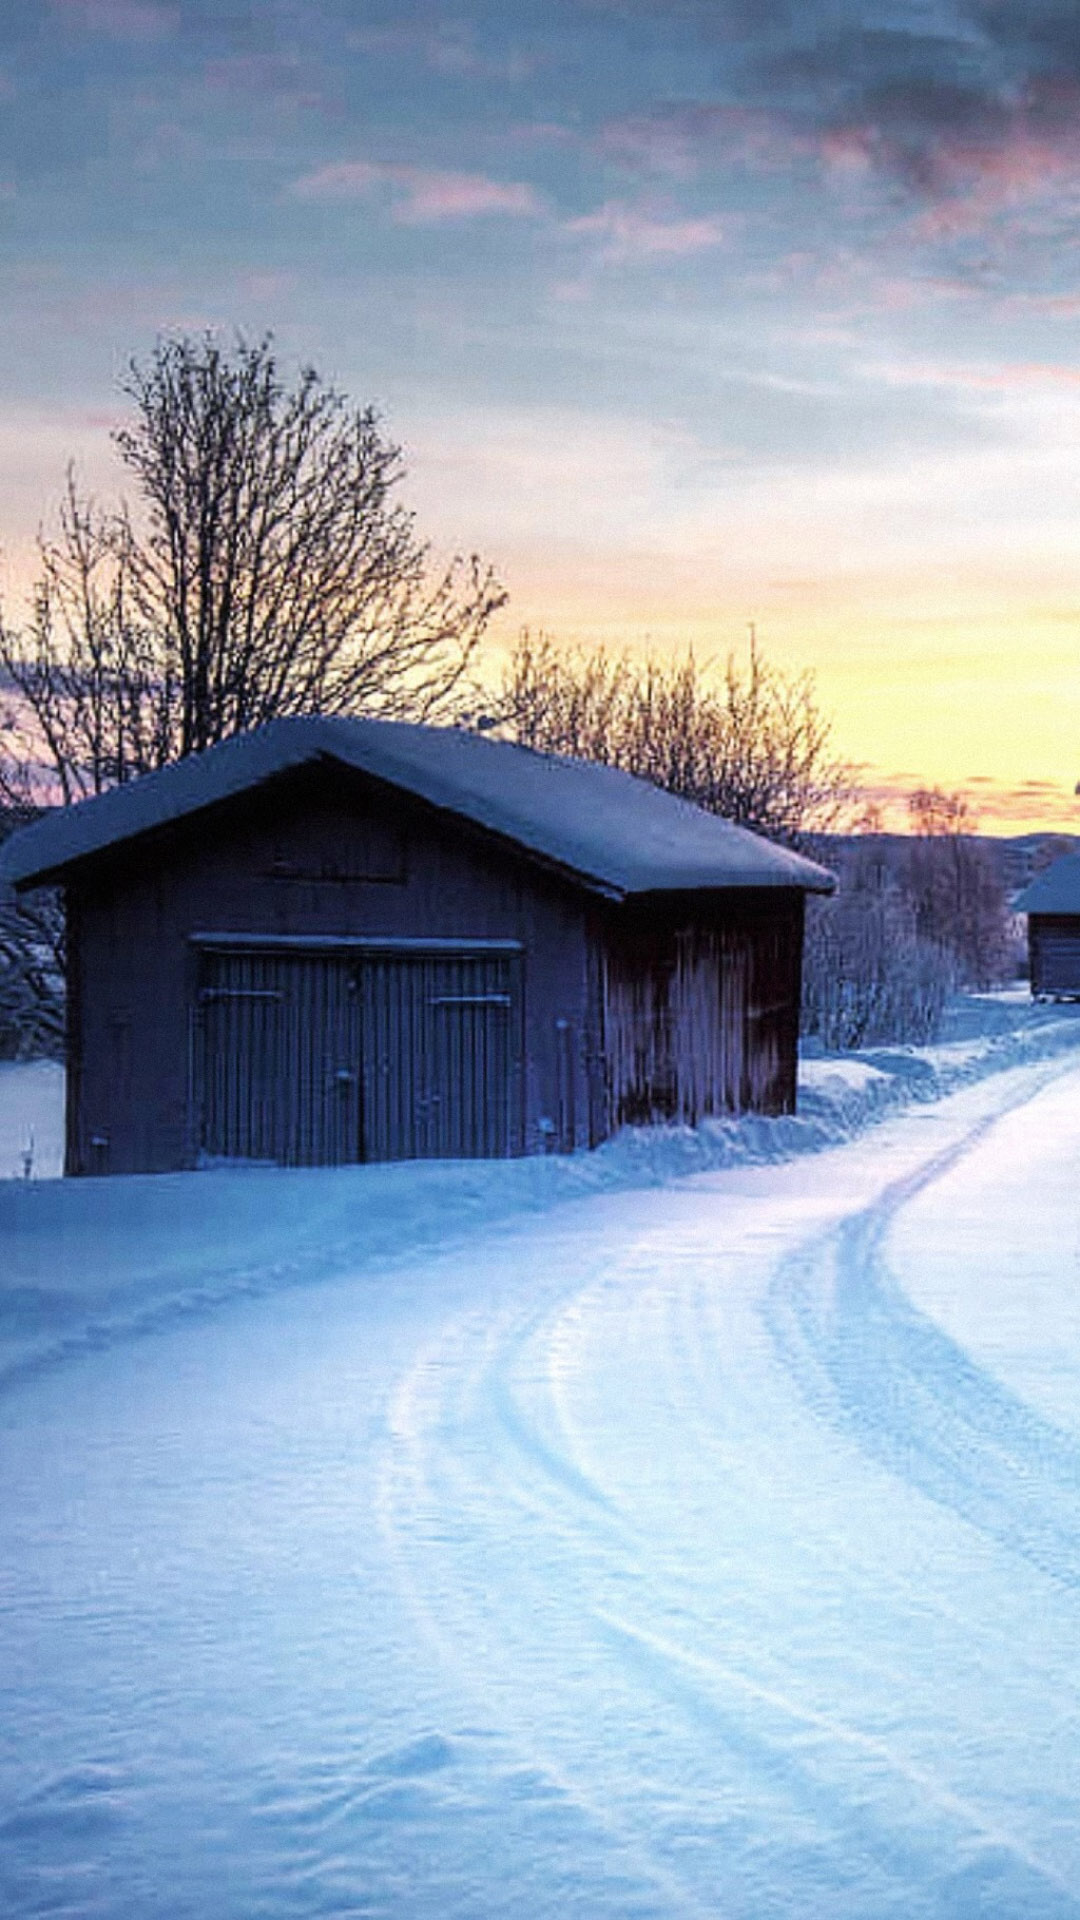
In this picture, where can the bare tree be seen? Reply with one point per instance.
(957, 889)
(749, 742)
(265, 568)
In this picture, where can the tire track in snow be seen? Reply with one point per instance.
(777, 1730)
(468, 1439)
(664, 1643)
(874, 1367)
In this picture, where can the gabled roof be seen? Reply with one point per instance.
(1055, 890)
(616, 834)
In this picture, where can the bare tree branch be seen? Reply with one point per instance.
(749, 742)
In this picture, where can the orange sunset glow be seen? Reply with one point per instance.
(682, 323)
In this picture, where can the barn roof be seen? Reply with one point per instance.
(1055, 890)
(617, 834)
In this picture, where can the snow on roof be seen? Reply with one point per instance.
(1055, 890)
(618, 834)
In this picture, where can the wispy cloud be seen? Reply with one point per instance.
(283, 78)
(420, 195)
(676, 139)
(448, 47)
(996, 807)
(628, 232)
(118, 19)
(1008, 377)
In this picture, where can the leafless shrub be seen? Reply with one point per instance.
(748, 742)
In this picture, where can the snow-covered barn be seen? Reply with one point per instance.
(1052, 904)
(335, 940)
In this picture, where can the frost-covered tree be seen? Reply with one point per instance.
(912, 920)
(957, 888)
(869, 975)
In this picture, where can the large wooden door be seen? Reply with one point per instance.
(278, 1041)
(322, 1059)
(441, 1057)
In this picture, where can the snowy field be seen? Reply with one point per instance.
(559, 1539)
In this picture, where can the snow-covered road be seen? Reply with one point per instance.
(710, 1551)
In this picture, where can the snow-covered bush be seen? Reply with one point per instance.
(869, 977)
(912, 920)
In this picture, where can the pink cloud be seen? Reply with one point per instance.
(1020, 155)
(629, 232)
(675, 140)
(978, 183)
(1064, 305)
(420, 195)
(1006, 378)
(1029, 373)
(120, 19)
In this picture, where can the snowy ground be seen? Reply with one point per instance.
(706, 1548)
(31, 1120)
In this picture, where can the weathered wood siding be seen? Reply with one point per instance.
(1054, 947)
(318, 854)
(701, 1008)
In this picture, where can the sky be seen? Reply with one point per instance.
(687, 313)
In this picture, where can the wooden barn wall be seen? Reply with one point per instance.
(701, 1005)
(318, 853)
(1054, 947)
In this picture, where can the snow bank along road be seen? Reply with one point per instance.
(704, 1551)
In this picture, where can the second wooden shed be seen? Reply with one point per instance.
(1052, 904)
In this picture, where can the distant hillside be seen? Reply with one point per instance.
(1017, 859)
